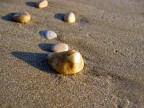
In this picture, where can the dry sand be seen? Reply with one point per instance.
(108, 33)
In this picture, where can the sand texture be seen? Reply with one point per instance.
(108, 33)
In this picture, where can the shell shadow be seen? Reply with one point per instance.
(42, 33)
(31, 4)
(37, 60)
(59, 16)
(8, 17)
(46, 47)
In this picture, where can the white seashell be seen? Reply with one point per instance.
(48, 34)
(42, 4)
(70, 18)
(22, 17)
(68, 62)
(59, 47)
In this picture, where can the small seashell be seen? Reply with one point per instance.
(48, 34)
(68, 62)
(22, 17)
(59, 47)
(70, 18)
(42, 4)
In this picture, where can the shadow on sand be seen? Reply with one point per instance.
(59, 16)
(31, 4)
(37, 60)
(46, 47)
(8, 17)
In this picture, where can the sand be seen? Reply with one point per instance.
(108, 33)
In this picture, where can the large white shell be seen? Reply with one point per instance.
(48, 34)
(68, 62)
(70, 17)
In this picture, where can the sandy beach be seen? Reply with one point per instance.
(108, 33)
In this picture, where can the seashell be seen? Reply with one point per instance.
(68, 62)
(22, 17)
(42, 4)
(48, 34)
(70, 17)
(59, 47)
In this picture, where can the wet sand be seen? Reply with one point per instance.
(108, 33)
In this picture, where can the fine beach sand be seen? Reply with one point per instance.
(108, 33)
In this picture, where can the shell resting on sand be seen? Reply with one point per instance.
(68, 62)
(59, 47)
(22, 17)
(70, 17)
(42, 4)
(48, 34)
